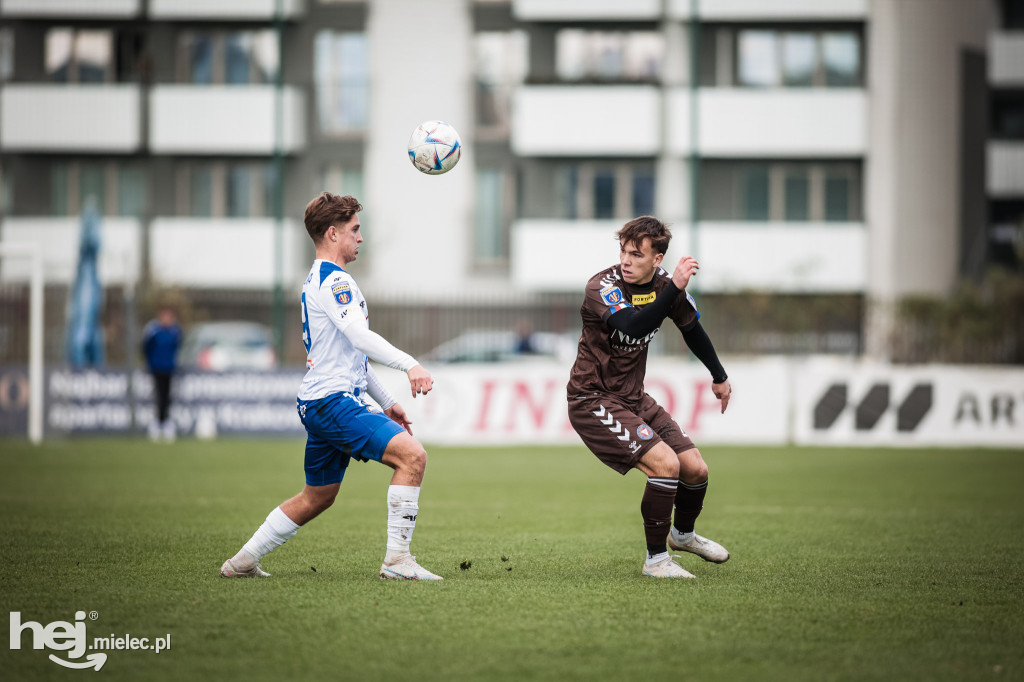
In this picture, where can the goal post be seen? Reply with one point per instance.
(33, 252)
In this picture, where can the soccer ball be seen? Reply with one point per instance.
(434, 147)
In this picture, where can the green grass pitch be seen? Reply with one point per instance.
(847, 564)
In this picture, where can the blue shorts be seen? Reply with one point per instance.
(338, 428)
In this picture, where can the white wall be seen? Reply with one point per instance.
(230, 253)
(1005, 168)
(58, 238)
(608, 120)
(770, 123)
(223, 9)
(224, 119)
(1006, 58)
(88, 118)
(418, 228)
(591, 10)
(70, 8)
(788, 257)
(768, 10)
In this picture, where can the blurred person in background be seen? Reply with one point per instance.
(339, 425)
(161, 340)
(619, 422)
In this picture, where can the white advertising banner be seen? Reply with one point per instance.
(525, 403)
(841, 402)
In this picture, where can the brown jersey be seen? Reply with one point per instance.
(609, 361)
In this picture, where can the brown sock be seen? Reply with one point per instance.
(656, 510)
(689, 502)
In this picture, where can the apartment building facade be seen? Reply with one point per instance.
(839, 148)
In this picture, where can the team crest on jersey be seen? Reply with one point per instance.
(342, 293)
(611, 295)
(643, 299)
(644, 432)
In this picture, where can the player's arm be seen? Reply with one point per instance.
(640, 323)
(376, 347)
(700, 345)
(387, 402)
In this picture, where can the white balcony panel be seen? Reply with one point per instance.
(783, 257)
(224, 9)
(229, 253)
(592, 10)
(207, 119)
(609, 120)
(1006, 58)
(85, 9)
(80, 118)
(771, 10)
(58, 238)
(1006, 168)
(775, 123)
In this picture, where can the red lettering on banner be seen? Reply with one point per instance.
(485, 405)
(700, 405)
(521, 395)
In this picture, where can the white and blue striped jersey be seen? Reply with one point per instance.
(331, 304)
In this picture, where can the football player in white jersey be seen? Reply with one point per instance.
(339, 425)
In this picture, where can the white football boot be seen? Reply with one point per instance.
(708, 550)
(406, 568)
(236, 567)
(666, 568)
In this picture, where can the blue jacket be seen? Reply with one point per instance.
(160, 346)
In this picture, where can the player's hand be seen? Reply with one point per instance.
(722, 391)
(397, 414)
(420, 380)
(686, 268)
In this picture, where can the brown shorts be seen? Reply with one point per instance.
(619, 433)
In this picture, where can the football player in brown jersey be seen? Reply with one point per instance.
(623, 308)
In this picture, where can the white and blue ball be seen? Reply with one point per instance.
(434, 147)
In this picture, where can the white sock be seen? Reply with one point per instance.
(274, 532)
(682, 538)
(651, 560)
(403, 507)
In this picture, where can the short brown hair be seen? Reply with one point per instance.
(329, 209)
(637, 229)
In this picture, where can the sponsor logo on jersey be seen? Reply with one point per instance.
(644, 432)
(643, 299)
(612, 295)
(342, 293)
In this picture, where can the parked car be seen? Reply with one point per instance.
(499, 345)
(224, 346)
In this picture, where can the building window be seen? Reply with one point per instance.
(586, 190)
(500, 65)
(493, 216)
(79, 55)
(227, 190)
(342, 180)
(767, 58)
(6, 54)
(341, 73)
(780, 191)
(608, 56)
(755, 193)
(797, 199)
(117, 188)
(234, 58)
(1008, 115)
(837, 195)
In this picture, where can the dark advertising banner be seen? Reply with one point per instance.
(107, 401)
